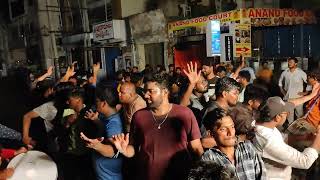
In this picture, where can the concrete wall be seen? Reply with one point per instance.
(131, 7)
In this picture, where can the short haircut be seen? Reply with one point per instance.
(226, 84)
(208, 62)
(264, 113)
(314, 74)
(178, 68)
(293, 58)
(221, 69)
(161, 80)
(253, 92)
(78, 92)
(245, 74)
(135, 77)
(108, 94)
(61, 94)
(171, 65)
(213, 117)
(43, 86)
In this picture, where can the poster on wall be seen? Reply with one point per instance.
(242, 37)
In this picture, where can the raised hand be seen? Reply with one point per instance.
(91, 115)
(121, 142)
(91, 143)
(96, 68)
(50, 71)
(192, 73)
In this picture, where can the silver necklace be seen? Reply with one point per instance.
(165, 118)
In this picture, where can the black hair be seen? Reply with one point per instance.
(178, 68)
(264, 113)
(108, 94)
(213, 117)
(245, 74)
(208, 62)
(161, 80)
(221, 69)
(171, 65)
(253, 92)
(78, 92)
(314, 74)
(43, 86)
(293, 58)
(226, 84)
(135, 77)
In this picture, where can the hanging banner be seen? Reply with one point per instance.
(254, 16)
(242, 36)
(276, 17)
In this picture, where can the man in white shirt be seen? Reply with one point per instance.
(277, 155)
(291, 83)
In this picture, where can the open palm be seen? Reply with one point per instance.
(192, 73)
(121, 141)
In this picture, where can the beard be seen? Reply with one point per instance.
(154, 104)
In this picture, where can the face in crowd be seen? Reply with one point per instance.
(224, 132)
(155, 94)
(292, 63)
(202, 85)
(125, 93)
(207, 70)
(232, 96)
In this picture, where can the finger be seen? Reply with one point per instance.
(188, 67)
(191, 66)
(127, 137)
(195, 66)
(84, 137)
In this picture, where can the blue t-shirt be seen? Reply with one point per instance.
(109, 168)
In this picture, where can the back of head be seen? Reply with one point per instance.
(245, 74)
(221, 69)
(254, 93)
(226, 84)
(44, 85)
(136, 77)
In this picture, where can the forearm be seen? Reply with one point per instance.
(26, 126)
(185, 101)
(301, 100)
(106, 150)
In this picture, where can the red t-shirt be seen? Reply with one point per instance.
(162, 153)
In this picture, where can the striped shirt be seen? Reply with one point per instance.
(248, 164)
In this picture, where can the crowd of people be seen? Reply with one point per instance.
(210, 122)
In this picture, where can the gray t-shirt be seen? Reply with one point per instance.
(47, 112)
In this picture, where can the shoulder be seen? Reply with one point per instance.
(45, 106)
(209, 155)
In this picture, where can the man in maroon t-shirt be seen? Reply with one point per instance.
(160, 136)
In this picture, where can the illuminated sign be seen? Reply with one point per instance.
(213, 39)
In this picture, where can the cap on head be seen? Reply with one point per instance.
(273, 107)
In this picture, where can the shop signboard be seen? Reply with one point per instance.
(242, 37)
(276, 17)
(254, 16)
(103, 31)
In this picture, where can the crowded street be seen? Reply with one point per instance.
(159, 90)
